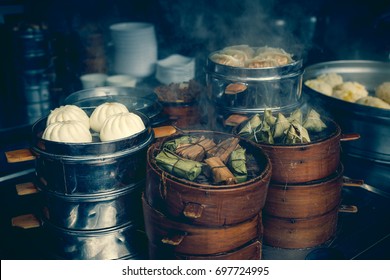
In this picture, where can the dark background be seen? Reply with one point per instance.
(316, 31)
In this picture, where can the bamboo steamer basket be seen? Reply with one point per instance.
(306, 199)
(205, 204)
(294, 233)
(198, 240)
(299, 163)
(251, 251)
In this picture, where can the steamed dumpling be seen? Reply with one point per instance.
(332, 79)
(226, 60)
(373, 101)
(383, 91)
(320, 86)
(68, 113)
(121, 125)
(349, 91)
(103, 111)
(68, 132)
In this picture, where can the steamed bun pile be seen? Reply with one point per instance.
(110, 120)
(332, 84)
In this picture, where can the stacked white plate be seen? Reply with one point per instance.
(135, 47)
(175, 68)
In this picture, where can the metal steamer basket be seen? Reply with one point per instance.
(92, 194)
(274, 88)
(372, 149)
(91, 167)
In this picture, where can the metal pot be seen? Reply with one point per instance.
(94, 167)
(370, 122)
(275, 88)
(122, 242)
(94, 211)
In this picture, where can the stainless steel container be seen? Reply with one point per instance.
(122, 242)
(88, 168)
(94, 211)
(371, 123)
(275, 88)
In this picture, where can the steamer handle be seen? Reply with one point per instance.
(193, 210)
(164, 131)
(348, 209)
(352, 182)
(349, 137)
(20, 155)
(27, 221)
(173, 240)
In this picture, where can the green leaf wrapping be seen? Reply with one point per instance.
(237, 164)
(175, 165)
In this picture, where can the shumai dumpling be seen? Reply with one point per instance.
(332, 79)
(121, 125)
(103, 111)
(227, 60)
(68, 113)
(374, 102)
(383, 92)
(320, 86)
(68, 132)
(349, 91)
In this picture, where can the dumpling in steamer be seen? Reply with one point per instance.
(226, 60)
(68, 132)
(121, 125)
(333, 79)
(383, 91)
(373, 102)
(349, 91)
(247, 50)
(103, 111)
(68, 113)
(320, 86)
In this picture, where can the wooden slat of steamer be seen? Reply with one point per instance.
(26, 221)
(20, 155)
(26, 188)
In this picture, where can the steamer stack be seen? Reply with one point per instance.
(92, 195)
(187, 220)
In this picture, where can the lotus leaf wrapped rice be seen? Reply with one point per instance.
(182, 168)
(237, 164)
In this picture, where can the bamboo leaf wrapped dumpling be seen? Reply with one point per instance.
(263, 134)
(174, 143)
(296, 134)
(313, 122)
(250, 126)
(281, 124)
(269, 118)
(296, 115)
(237, 164)
(175, 165)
